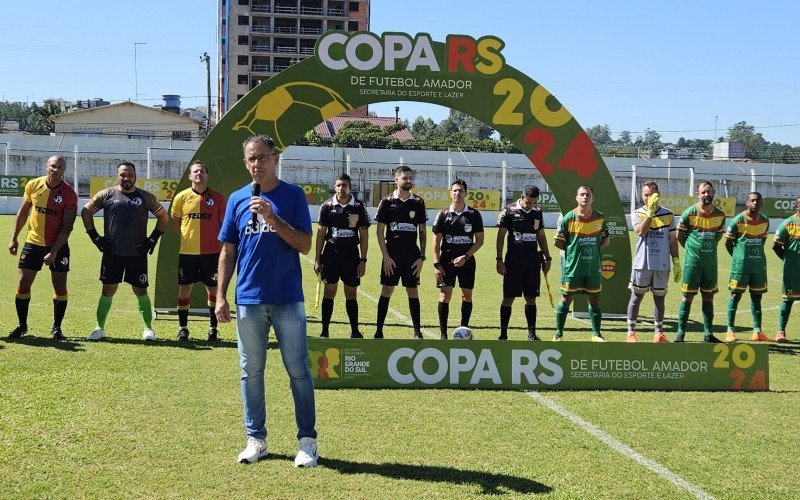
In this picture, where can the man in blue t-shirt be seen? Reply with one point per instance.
(263, 235)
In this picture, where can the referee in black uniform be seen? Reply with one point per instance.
(458, 234)
(343, 231)
(401, 217)
(522, 221)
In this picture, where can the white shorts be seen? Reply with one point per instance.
(644, 280)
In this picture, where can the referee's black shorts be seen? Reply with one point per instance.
(523, 276)
(404, 256)
(465, 274)
(340, 263)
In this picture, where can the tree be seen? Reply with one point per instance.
(753, 142)
(462, 122)
(625, 138)
(423, 128)
(599, 134)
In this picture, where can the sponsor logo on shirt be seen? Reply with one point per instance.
(198, 216)
(264, 227)
(524, 237)
(402, 226)
(343, 233)
(458, 240)
(46, 211)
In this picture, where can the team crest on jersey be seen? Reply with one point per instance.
(468, 228)
(411, 214)
(58, 198)
(210, 202)
(137, 202)
(517, 236)
(448, 238)
(393, 226)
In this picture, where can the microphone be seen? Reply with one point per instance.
(256, 192)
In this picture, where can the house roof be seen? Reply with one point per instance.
(123, 104)
(329, 128)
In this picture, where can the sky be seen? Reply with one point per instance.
(682, 68)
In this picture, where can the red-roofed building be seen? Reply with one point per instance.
(329, 128)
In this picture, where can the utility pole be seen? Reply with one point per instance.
(136, 67)
(206, 59)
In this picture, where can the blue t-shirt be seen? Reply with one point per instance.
(267, 268)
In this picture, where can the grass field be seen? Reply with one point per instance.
(121, 418)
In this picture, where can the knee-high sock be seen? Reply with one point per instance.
(755, 310)
(562, 309)
(383, 309)
(444, 312)
(684, 308)
(351, 306)
(530, 316)
(505, 317)
(183, 311)
(783, 317)
(708, 318)
(59, 306)
(327, 312)
(466, 312)
(733, 304)
(22, 302)
(633, 310)
(145, 309)
(414, 309)
(658, 313)
(212, 305)
(596, 316)
(103, 306)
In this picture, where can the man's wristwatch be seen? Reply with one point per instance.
(422, 258)
(437, 265)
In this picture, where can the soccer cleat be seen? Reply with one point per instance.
(631, 337)
(183, 335)
(56, 333)
(378, 335)
(660, 338)
(558, 337)
(781, 338)
(212, 334)
(730, 337)
(418, 335)
(711, 339)
(356, 335)
(18, 332)
(532, 336)
(759, 337)
(256, 449)
(442, 336)
(97, 334)
(324, 334)
(679, 338)
(307, 453)
(597, 338)
(502, 337)
(149, 335)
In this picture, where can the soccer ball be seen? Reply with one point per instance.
(462, 333)
(291, 110)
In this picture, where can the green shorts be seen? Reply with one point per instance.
(591, 285)
(699, 279)
(740, 282)
(791, 286)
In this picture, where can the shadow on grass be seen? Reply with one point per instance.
(791, 348)
(490, 483)
(72, 345)
(191, 344)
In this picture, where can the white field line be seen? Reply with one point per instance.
(620, 447)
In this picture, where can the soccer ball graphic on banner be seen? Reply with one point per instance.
(278, 113)
(462, 333)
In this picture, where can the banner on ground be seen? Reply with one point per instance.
(547, 201)
(13, 185)
(164, 189)
(482, 199)
(780, 208)
(678, 203)
(410, 364)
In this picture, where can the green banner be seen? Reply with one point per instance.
(488, 364)
(547, 201)
(316, 194)
(13, 185)
(778, 207)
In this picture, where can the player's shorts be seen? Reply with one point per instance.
(32, 257)
(134, 270)
(740, 282)
(465, 273)
(404, 257)
(701, 279)
(340, 263)
(590, 285)
(194, 268)
(523, 277)
(645, 280)
(791, 286)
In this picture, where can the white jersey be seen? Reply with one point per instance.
(652, 250)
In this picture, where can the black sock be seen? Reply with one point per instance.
(505, 317)
(466, 312)
(413, 308)
(327, 312)
(444, 312)
(212, 317)
(183, 317)
(351, 306)
(22, 311)
(530, 315)
(383, 308)
(59, 309)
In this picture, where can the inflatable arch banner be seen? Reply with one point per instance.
(351, 69)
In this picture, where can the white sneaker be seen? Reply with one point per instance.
(97, 334)
(149, 335)
(307, 453)
(256, 449)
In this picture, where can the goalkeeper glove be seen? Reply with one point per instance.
(101, 242)
(652, 204)
(676, 269)
(149, 244)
